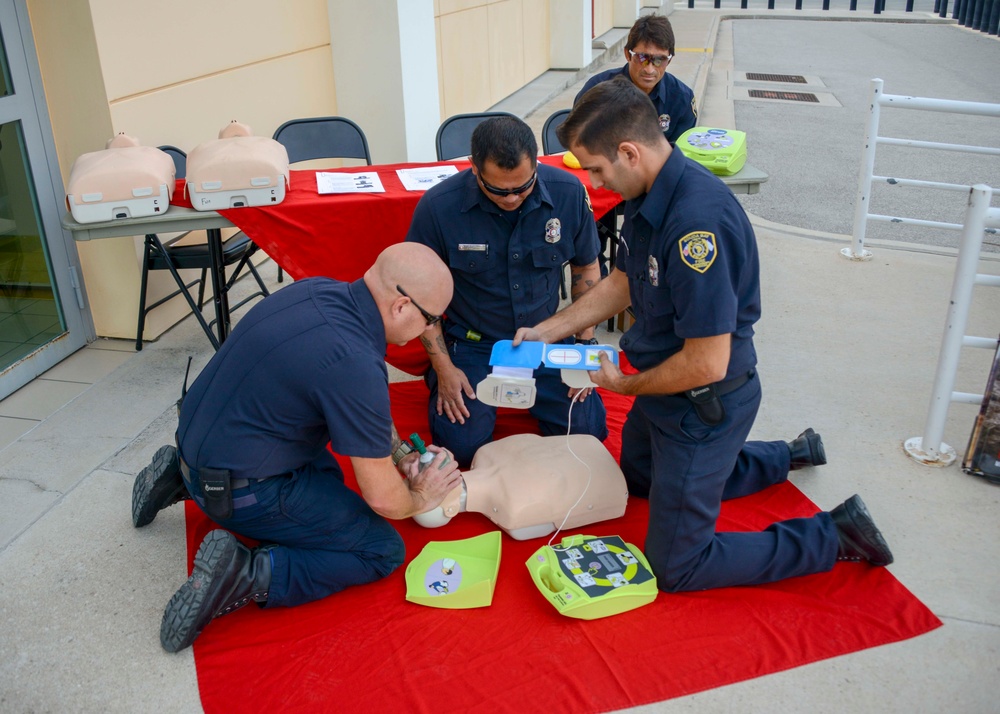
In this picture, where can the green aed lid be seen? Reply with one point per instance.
(589, 577)
(721, 151)
(455, 575)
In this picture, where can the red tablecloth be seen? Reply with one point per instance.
(340, 235)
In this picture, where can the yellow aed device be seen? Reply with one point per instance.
(721, 151)
(589, 577)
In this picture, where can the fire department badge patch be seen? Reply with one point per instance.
(553, 230)
(664, 122)
(698, 250)
(654, 272)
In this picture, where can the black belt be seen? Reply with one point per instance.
(733, 384)
(236, 482)
(706, 399)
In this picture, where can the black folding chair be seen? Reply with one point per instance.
(550, 142)
(322, 138)
(454, 136)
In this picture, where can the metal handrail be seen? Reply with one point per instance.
(930, 449)
(866, 176)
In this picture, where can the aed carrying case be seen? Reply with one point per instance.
(124, 180)
(238, 169)
(721, 151)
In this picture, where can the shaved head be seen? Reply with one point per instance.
(421, 273)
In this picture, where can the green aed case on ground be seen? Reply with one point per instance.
(721, 151)
(457, 574)
(589, 577)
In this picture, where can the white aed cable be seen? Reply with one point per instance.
(590, 473)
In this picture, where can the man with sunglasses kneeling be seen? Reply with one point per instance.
(648, 51)
(302, 374)
(505, 227)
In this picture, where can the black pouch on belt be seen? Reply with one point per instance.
(707, 404)
(216, 489)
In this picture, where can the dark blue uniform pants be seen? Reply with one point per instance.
(686, 469)
(328, 538)
(551, 407)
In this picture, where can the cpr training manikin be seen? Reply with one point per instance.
(532, 485)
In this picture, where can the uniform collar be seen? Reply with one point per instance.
(475, 196)
(363, 298)
(654, 204)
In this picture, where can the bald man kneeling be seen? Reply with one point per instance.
(305, 367)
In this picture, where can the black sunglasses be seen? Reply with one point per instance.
(430, 318)
(504, 192)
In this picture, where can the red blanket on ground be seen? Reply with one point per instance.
(367, 649)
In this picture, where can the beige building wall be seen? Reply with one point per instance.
(487, 50)
(604, 11)
(177, 72)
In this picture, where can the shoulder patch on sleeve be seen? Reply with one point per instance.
(694, 108)
(698, 250)
(586, 197)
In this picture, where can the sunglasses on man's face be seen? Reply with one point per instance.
(429, 318)
(504, 192)
(644, 59)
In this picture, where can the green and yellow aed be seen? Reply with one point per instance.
(589, 577)
(721, 151)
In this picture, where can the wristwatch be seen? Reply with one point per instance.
(400, 451)
(591, 341)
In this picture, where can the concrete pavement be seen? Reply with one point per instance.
(848, 348)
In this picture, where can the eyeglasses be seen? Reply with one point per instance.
(431, 319)
(644, 59)
(504, 192)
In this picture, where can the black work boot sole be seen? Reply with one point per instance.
(157, 486)
(858, 534)
(817, 452)
(191, 609)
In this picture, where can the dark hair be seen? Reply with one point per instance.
(505, 141)
(654, 29)
(608, 114)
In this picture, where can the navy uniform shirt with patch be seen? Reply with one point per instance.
(690, 255)
(507, 272)
(303, 367)
(674, 101)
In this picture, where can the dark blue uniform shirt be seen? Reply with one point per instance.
(690, 255)
(674, 101)
(507, 273)
(303, 367)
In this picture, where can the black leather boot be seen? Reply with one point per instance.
(157, 486)
(859, 537)
(807, 450)
(227, 575)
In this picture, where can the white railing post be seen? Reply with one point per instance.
(930, 449)
(857, 250)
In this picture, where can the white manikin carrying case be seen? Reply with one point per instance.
(124, 180)
(236, 170)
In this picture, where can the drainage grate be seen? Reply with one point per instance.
(761, 77)
(788, 96)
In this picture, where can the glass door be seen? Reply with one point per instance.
(42, 318)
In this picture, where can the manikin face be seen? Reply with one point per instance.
(646, 76)
(494, 180)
